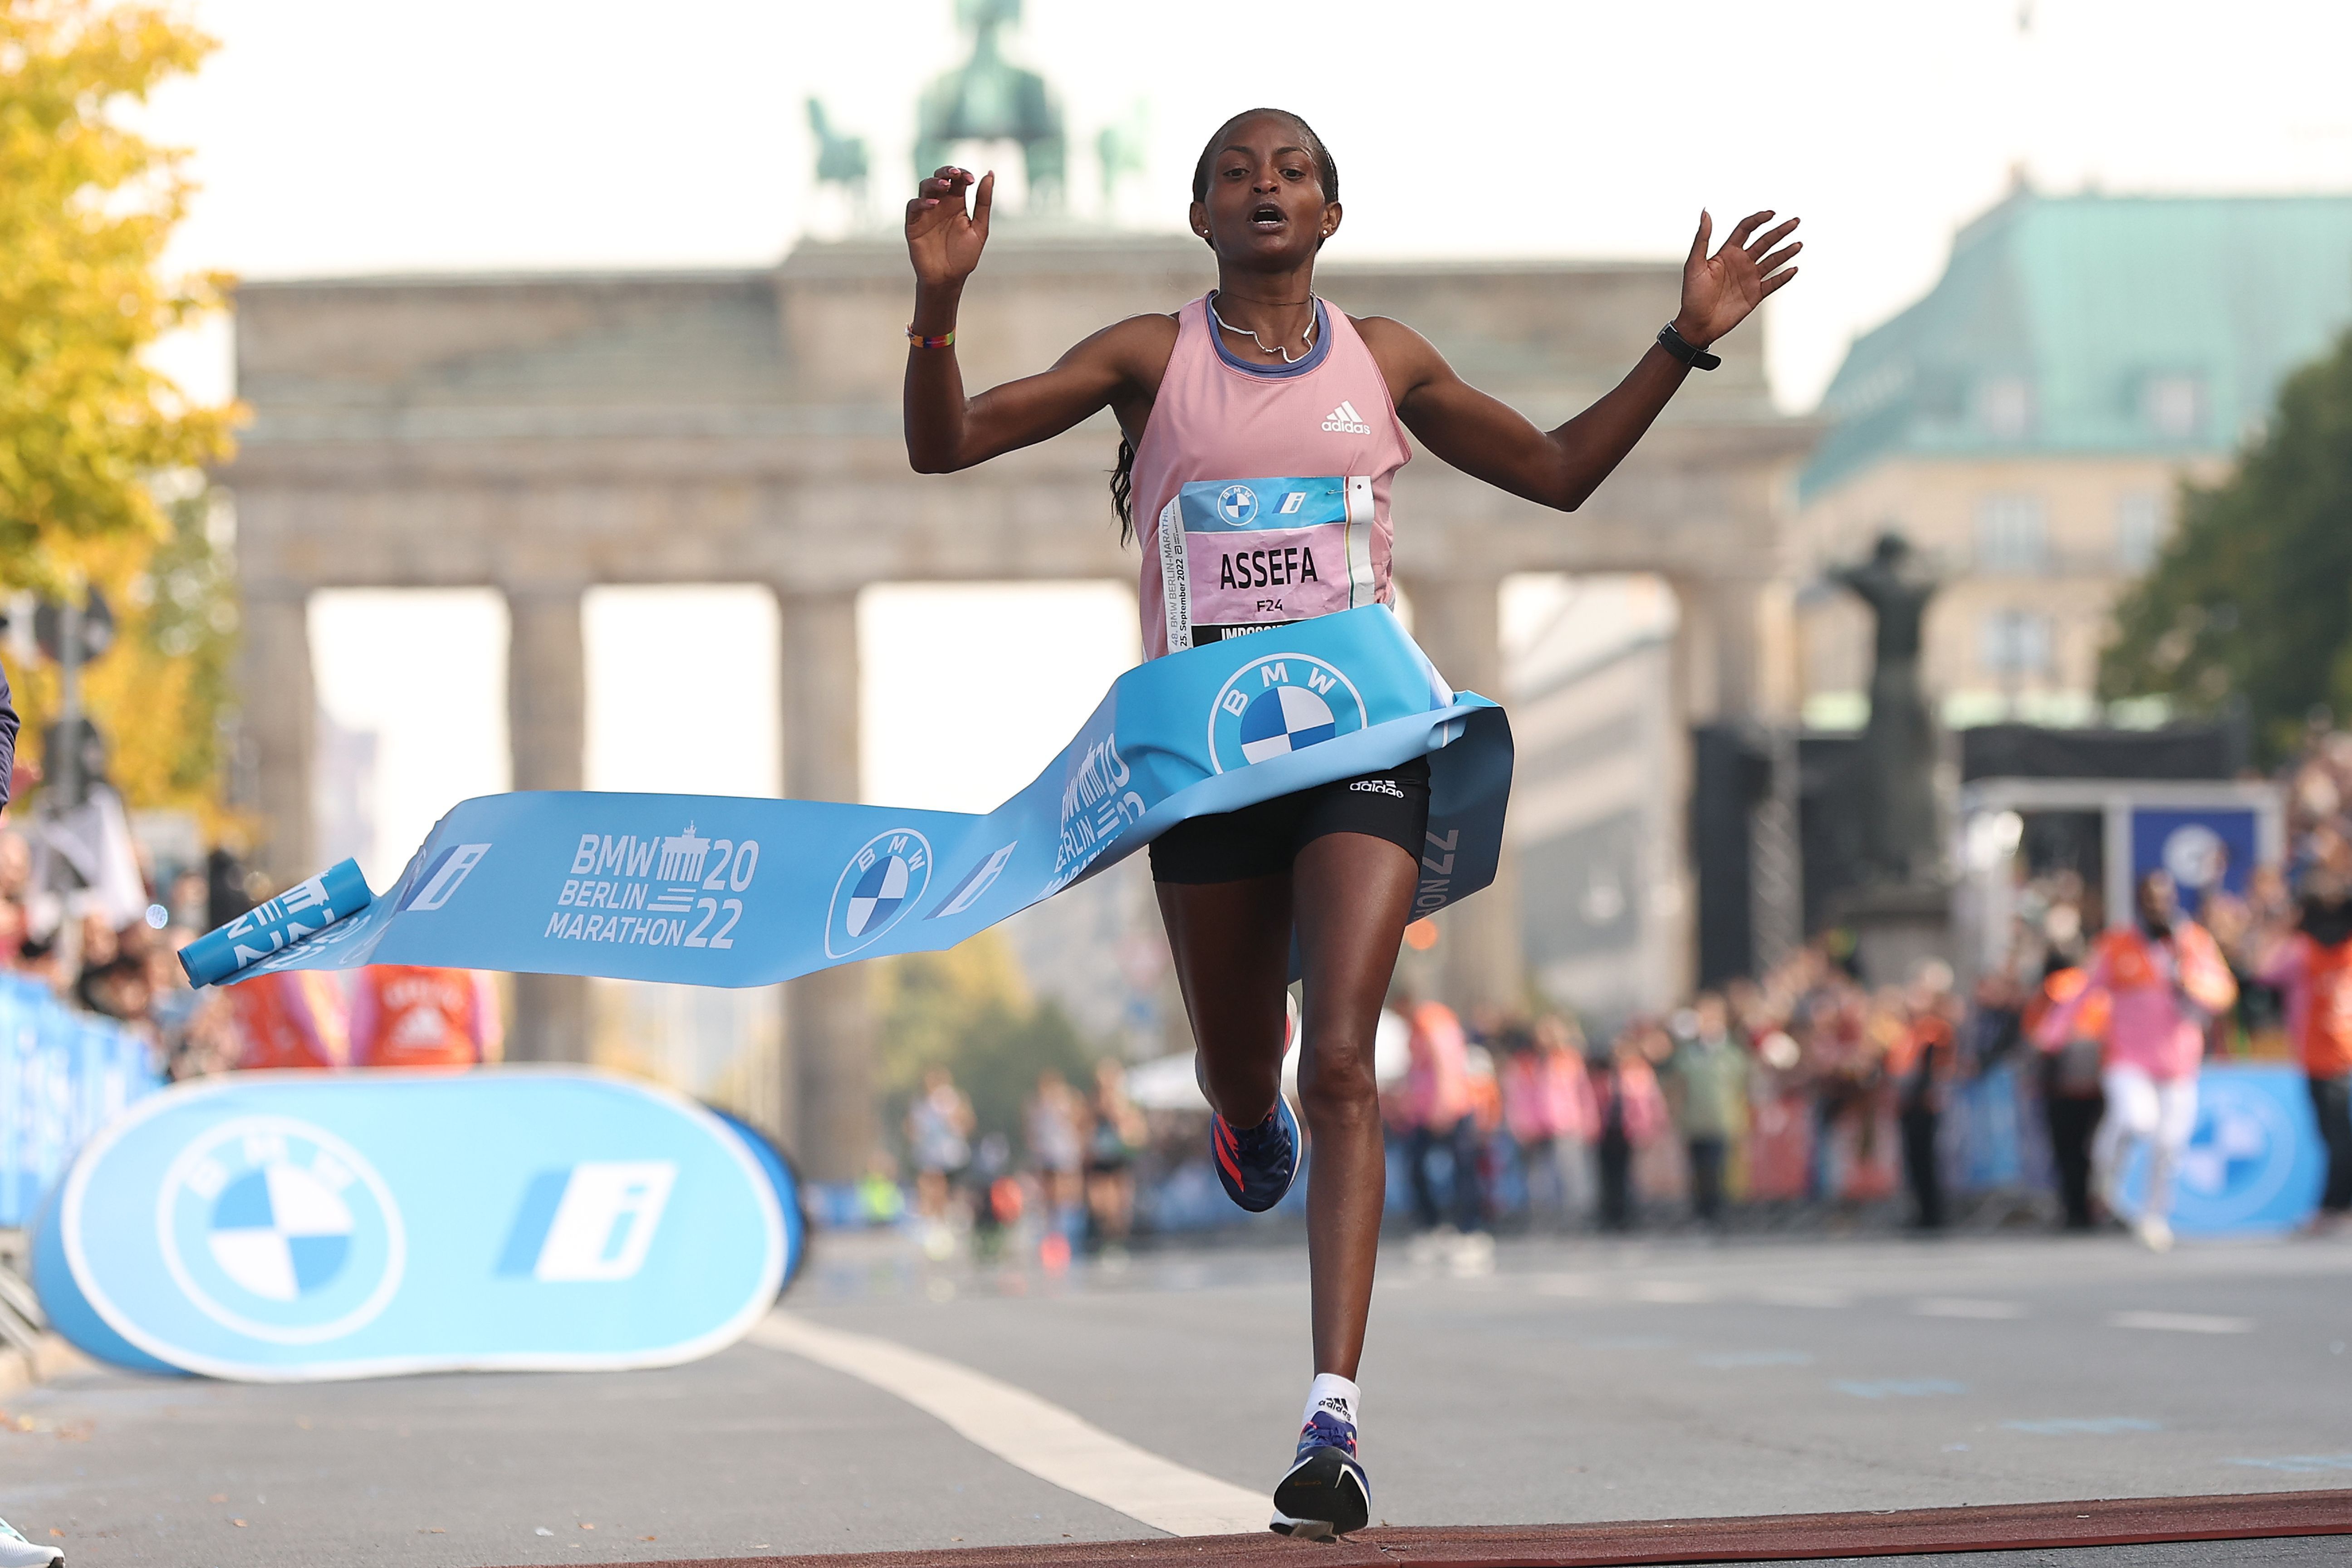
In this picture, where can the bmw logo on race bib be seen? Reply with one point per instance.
(1237, 504)
(280, 1231)
(1279, 704)
(882, 881)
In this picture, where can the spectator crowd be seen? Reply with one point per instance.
(383, 1015)
(1804, 1097)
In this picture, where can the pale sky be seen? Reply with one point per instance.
(439, 135)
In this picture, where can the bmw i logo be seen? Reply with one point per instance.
(881, 883)
(1281, 703)
(1237, 505)
(280, 1231)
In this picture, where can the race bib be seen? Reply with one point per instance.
(1243, 556)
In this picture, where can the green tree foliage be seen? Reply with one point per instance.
(2253, 597)
(967, 1010)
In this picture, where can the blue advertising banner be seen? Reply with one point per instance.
(2206, 848)
(723, 890)
(301, 1226)
(1985, 1150)
(63, 1075)
(2254, 1163)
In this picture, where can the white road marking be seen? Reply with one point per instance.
(1803, 1296)
(1963, 1307)
(1673, 1291)
(2085, 1427)
(2180, 1323)
(1031, 1433)
(1900, 1388)
(1729, 1360)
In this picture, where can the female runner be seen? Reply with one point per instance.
(1262, 377)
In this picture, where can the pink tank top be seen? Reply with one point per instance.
(1262, 491)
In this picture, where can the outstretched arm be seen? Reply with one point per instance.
(1485, 438)
(947, 430)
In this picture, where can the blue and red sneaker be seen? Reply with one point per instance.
(1257, 1165)
(1325, 1492)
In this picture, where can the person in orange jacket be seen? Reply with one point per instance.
(2071, 1096)
(407, 1014)
(294, 1018)
(2313, 965)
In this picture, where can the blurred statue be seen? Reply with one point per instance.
(988, 99)
(1899, 841)
(1119, 152)
(840, 159)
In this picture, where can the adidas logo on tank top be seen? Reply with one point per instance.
(1346, 420)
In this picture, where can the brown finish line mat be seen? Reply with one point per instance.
(1771, 1538)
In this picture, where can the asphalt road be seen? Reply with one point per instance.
(1575, 1382)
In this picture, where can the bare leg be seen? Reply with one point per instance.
(1231, 943)
(1353, 892)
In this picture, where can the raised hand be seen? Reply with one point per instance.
(943, 240)
(1720, 290)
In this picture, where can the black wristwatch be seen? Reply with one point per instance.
(1682, 348)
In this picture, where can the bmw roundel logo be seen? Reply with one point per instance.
(1237, 504)
(1281, 703)
(881, 883)
(2242, 1152)
(280, 1231)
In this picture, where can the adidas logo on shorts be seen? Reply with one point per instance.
(1378, 786)
(1346, 420)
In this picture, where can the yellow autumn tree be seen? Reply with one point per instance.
(89, 429)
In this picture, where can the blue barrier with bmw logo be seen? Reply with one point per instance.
(294, 1227)
(733, 891)
(2253, 1163)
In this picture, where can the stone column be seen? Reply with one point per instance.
(546, 736)
(1671, 912)
(829, 1039)
(1749, 639)
(1458, 623)
(1732, 657)
(280, 723)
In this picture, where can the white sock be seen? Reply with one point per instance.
(1333, 1393)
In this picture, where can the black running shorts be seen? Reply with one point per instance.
(1261, 840)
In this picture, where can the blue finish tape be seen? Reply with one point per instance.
(304, 909)
(726, 891)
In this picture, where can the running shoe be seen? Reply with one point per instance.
(15, 1551)
(1324, 1494)
(1258, 1165)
